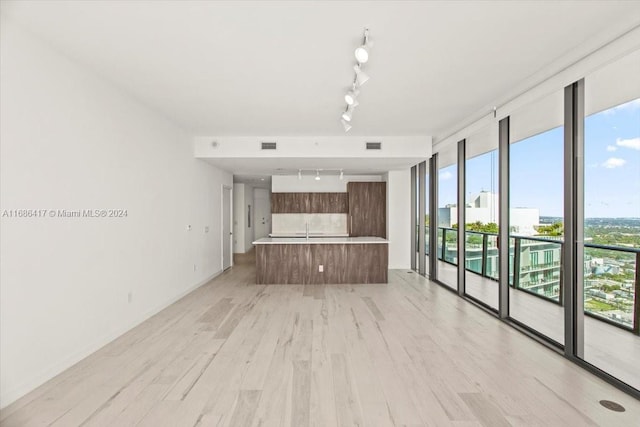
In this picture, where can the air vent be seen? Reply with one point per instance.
(268, 145)
(374, 145)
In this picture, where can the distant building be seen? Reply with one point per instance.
(484, 208)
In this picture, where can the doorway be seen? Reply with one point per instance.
(227, 234)
(262, 203)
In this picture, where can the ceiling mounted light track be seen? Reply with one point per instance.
(362, 56)
(347, 114)
(350, 97)
(361, 77)
(362, 52)
(317, 176)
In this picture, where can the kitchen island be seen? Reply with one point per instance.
(321, 260)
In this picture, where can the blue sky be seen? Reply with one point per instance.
(612, 168)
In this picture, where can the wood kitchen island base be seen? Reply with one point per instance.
(299, 263)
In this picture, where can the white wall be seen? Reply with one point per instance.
(242, 233)
(261, 213)
(351, 147)
(238, 218)
(399, 218)
(308, 184)
(70, 140)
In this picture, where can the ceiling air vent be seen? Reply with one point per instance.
(374, 145)
(268, 145)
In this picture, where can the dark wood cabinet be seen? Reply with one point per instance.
(342, 263)
(367, 209)
(309, 203)
(329, 203)
(290, 203)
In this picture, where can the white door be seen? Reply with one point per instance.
(262, 213)
(226, 227)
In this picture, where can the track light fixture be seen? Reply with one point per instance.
(347, 114)
(350, 97)
(317, 176)
(362, 52)
(360, 78)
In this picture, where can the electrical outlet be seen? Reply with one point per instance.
(321, 268)
(130, 297)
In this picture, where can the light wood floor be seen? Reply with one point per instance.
(409, 353)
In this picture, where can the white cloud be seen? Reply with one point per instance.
(633, 143)
(630, 106)
(614, 162)
(611, 148)
(446, 175)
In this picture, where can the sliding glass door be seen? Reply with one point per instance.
(536, 209)
(481, 212)
(612, 219)
(447, 217)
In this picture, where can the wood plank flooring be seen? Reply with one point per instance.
(408, 353)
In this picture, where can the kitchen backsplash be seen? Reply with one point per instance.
(318, 223)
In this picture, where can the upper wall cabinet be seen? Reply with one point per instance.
(309, 203)
(367, 209)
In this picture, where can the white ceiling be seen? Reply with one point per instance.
(281, 68)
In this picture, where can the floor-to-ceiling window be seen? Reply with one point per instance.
(481, 212)
(447, 216)
(543, 187)
(416, 215)
(612, 219)
(425, 219)
(536, 209)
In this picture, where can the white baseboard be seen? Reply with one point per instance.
(49, 372)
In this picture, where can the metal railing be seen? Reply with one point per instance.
(611, 276)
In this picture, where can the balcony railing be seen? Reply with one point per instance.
(611, 276)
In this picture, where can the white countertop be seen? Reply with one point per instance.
(318, 240)
(303, 234)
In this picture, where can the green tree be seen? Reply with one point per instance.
(481, 227)
(555, 229)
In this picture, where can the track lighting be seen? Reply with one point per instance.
(350, 97)
(361, 77)
(317, 171)
(362, 52)
(362, 56)
(347, 114)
